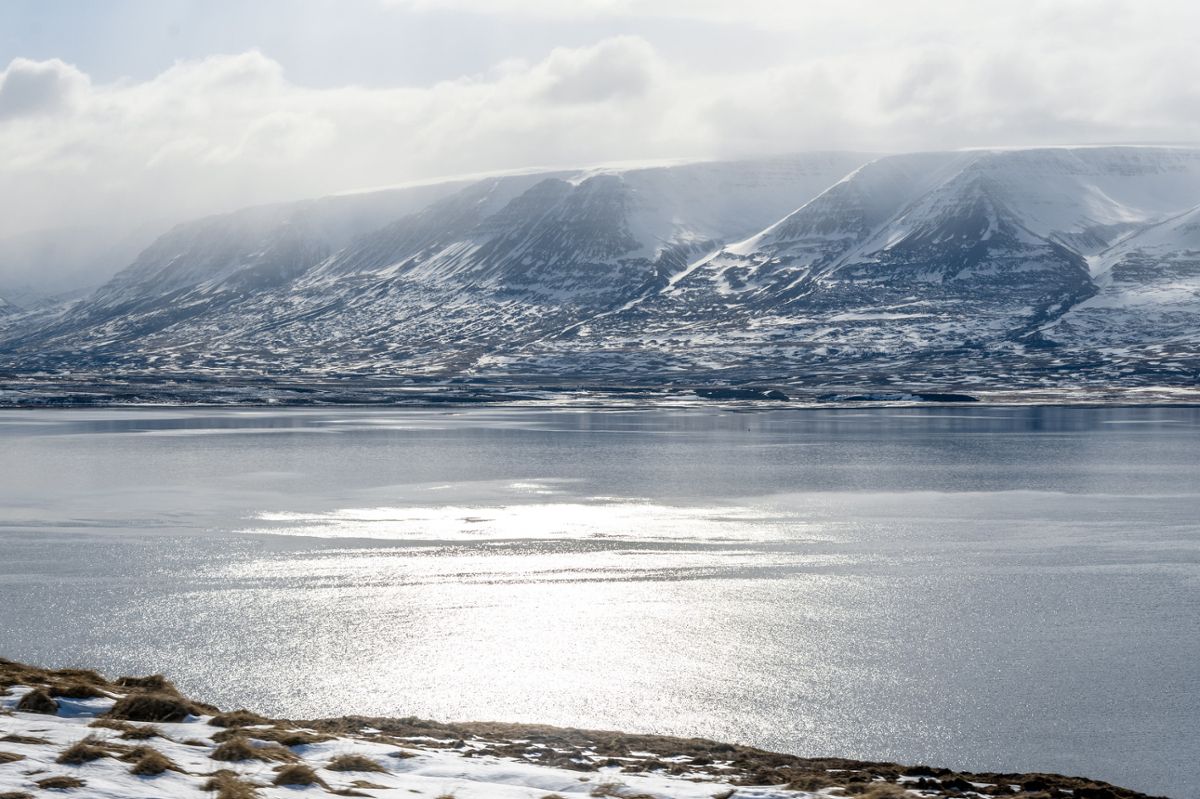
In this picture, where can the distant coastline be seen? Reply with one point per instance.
(93, 391)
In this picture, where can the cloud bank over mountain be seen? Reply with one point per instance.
(231, 129)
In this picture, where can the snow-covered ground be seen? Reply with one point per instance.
(77, 733)
(110, 750)
(428, 767)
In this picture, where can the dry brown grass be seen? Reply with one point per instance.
(811, 783)
(152, 763)
(81, 752)
(228, 785)
(129, 731)
(76, 689)
(10, 757)
(238, 749)
(60, 783)
(73, 683)
(883, 790)
(38, 701)
(238, 718)
(291, 737)
(31, 740)
(151, 682)
(160, 707)
(234, 750)
(81, 675)
(354, 763)
(617, 789)
(110, 724)
(279, 735)
(141, 733)
(132, 755)
(16, 795)
(298, 774)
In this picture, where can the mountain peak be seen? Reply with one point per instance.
(834, 267)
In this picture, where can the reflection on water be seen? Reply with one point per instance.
(595, 517)
(1000, 588)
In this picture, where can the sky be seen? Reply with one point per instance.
(114, 113)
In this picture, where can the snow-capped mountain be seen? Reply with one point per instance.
(1147, 299)
(1035, 267)
(494, 263)
(927, 267)
(198, 268)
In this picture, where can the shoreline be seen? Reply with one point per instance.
(614, 404)
(75, 725)
(87, 390)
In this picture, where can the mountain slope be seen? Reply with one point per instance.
(921, 265)
(501, 260)
(1002, 267)
(198, 268)
(1147, 307)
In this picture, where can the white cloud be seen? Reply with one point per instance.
(232, 130)
(32, 88)
(620, 67)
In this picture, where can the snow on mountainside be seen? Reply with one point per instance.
(1148, 302)
(1088, 198)
(927, 268)
(198, 267)
(492, 263)
(925, 265)
(44, 267)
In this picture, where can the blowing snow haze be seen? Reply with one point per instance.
(119, 119)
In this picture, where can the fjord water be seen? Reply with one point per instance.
(993, 588)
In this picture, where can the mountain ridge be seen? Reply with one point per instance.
(964, 267)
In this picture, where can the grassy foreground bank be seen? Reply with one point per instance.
(76, 732)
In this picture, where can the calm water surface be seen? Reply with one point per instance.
(1009, 589)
